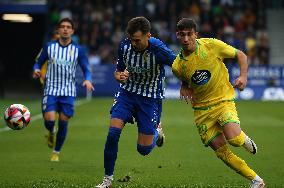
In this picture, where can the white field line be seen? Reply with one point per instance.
(39, 116)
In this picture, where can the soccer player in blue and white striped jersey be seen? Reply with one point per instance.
(62, 55)
(140, 71)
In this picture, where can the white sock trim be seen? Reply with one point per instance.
(257, 178)
(109, 177)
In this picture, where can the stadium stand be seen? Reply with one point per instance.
(101, 23)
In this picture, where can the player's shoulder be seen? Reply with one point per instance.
(210, 42)
(76, 44)
(125, 41)
(156, 42)
(157, 46)
(203, 41)
(49, 43)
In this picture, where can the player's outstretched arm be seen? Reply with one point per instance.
(241, 81)
(121, 76)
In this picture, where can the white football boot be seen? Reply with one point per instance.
(250, 145)
(161, 136)
(257, 184)
(105, 184)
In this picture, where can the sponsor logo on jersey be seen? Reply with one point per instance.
(201, 77)
(137, 69)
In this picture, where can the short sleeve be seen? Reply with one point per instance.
(223, 50)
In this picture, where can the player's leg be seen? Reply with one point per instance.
(224, 153)
(231, 126)
(236, 137)
(148, 118)
(49, 108)
(229, 122)
(66, 111)
(121, 112)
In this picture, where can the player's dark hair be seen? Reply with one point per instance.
(186, 23)
(66, 20)
(138, 24)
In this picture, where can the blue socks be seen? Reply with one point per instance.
(111, 149)
(61, 135)
(49, 125)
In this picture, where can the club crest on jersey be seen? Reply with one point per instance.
(71, 52)
(146, 56)
(201, 77)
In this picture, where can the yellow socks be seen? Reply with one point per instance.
(234, 162)
(238, 140)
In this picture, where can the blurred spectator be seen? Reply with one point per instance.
(241, 23)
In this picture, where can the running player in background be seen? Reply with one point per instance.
(59, 94)
(140, 70)
(205, 83)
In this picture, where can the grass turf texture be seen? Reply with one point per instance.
(182, 162)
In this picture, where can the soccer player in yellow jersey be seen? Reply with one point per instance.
(205, 83)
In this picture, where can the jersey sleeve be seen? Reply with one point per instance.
(84, 64)
(41, 58)
(120, 65)
(164, 54)
(223, 50)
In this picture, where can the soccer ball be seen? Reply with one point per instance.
(17, 116)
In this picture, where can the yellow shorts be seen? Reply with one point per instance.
(210, 121)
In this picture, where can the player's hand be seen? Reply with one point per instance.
(186, 93)
(241, 83)
(121, 76)
(36, 73)
(88, 85)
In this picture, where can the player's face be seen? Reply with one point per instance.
(187, 39)
(140, 41)
(65, 30)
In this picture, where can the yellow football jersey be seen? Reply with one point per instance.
(205, 72)
(43, 72)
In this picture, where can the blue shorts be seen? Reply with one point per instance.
(64, 104)
(146, 111)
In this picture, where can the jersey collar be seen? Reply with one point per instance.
(182, 57)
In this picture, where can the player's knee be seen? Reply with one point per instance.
(144, 150)
(238, 140)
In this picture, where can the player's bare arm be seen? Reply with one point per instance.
(186, 92)
(36, 73)
(121, 76)
(88, 84)
(241, 81)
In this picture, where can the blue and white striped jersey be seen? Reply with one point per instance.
(61, 67)
(146, 68)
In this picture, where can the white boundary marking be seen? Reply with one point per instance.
(39, 116)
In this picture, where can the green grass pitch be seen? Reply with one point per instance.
(182, 162)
